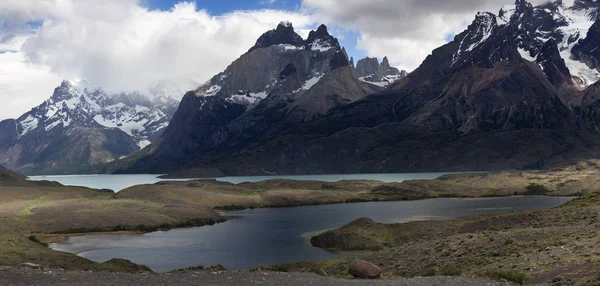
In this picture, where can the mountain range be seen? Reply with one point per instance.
(516, 90)
(79, 127)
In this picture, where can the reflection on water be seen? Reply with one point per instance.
(274, 236)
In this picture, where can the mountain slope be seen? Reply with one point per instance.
(77, 128)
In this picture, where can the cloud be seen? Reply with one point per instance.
(405, 31)
(23, 85)
(122, 46)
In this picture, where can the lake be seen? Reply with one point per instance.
(120, 182)
(274, 236)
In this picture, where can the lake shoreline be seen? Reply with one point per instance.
(173, 202)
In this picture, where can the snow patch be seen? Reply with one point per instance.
(143, 143)
(312, 81)
(526, 55)
(320, 46)
(213, 90)
(290, 47)
(28, 124)
(250, 98)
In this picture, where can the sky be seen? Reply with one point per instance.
(132, 45)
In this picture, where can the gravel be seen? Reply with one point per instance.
(26, 276)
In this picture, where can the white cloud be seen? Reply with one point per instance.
(122, 46)
(23, 85)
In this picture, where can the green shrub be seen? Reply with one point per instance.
(451, 269)
(430, 272)
(536, 190)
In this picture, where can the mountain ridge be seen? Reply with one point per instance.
(78, 127)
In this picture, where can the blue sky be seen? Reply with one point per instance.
(348, 39)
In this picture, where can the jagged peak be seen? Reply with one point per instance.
(283, 34)
(385, 61)
(320, 33)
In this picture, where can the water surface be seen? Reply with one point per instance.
(120, 182)
(274, 236)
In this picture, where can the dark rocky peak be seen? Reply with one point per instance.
(320, 33)
(321, 41)
(284, 34)
(475, 41)
(553, 64)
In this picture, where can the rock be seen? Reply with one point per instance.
(364, 270)
(31, 265)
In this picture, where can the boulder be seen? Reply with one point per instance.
(364, 270)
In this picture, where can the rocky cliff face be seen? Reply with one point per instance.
(369, 70)
(517, 89)
(78, 127)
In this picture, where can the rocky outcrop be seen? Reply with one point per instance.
(369, 70)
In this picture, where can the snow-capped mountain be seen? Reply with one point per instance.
(131, 120)
(140, 116)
